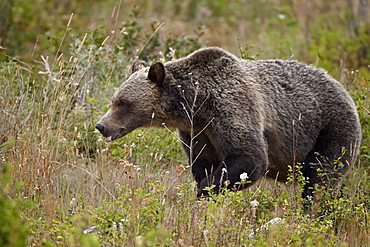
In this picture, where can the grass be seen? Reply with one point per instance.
(60, 178)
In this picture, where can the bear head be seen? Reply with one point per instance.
(136, 103)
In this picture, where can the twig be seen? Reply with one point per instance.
(93, 176)
(151, 36)
(367, 111)
(63, 38)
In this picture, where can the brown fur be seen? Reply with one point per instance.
(252, 117)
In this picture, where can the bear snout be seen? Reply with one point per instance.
(100, 128)
(108, 133)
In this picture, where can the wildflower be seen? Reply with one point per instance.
(274, 221)
(226, 183)
(91, 229)
(254, 203)
(281, 16)
(126, 164)
(244, 176)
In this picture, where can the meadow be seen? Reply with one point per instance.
(61, 184)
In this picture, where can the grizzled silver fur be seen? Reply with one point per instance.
(249, 117)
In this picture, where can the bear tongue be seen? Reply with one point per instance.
(108, 139)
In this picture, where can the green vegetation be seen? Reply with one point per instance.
(58, 177)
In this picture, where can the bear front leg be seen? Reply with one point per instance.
(203, 159)
(236, 172)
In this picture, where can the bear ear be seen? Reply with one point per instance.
(137, 65)
(157, 73)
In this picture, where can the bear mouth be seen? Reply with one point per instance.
(117, 135)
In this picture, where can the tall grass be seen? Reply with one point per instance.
(62, 178)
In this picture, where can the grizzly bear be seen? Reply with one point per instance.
(242, 119)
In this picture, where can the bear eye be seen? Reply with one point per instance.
(120, 103)
(121, 108)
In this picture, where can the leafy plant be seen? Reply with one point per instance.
(13, 231)
(59, 178)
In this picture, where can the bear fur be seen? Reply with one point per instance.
(237, 116)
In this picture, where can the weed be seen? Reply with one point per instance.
(59, 178)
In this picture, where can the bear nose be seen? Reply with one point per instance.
(100, 127)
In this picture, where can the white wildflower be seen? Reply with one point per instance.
(91, 229)
(254, 203)
(244, 176)
(275, 221)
